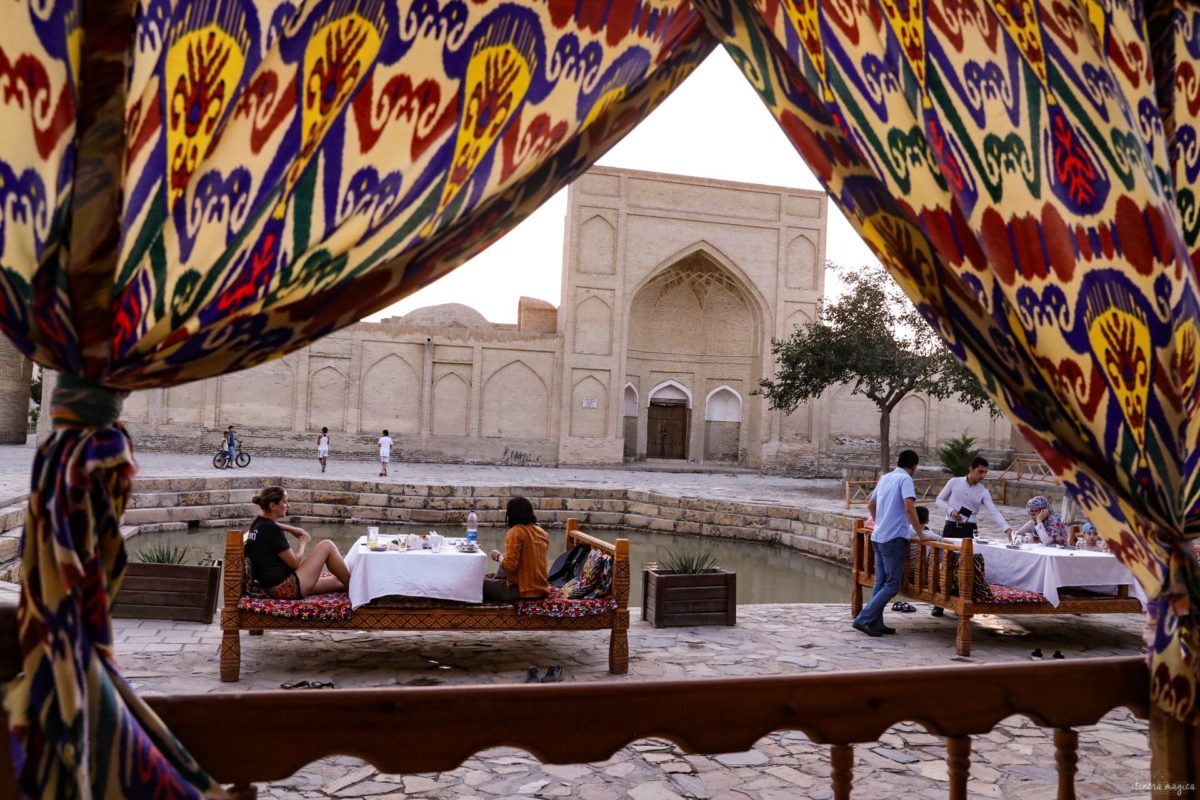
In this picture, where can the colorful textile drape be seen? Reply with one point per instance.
(1026, 169)
(192, 187)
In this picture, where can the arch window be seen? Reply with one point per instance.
(723, 404)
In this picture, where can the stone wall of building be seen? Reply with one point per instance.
(15, 374)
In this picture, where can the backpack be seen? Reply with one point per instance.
(569, 564)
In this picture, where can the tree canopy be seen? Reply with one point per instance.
(874, 340)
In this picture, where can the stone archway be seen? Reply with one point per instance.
(698, 323)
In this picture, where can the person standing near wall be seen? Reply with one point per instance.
(385, 453)
(893, 506)
(323, 447)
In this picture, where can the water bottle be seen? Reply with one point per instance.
(472, 527)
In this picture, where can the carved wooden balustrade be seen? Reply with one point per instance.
(408, 730)
(860, 491)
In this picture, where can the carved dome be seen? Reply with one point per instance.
(447, 315)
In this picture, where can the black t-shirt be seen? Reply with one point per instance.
(263, 546)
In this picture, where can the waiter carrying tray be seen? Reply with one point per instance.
(961, 499)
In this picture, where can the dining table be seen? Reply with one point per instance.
(444, 573)
(1046, 569)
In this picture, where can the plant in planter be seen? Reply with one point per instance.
(159, 585)
(687, 588)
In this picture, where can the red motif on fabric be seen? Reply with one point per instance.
(533, 141)
(267, 107)
(420, 106)
(26, 83)
(261, 260)
(1073, 167)
(947, 164)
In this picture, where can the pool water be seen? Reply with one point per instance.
(766, 573)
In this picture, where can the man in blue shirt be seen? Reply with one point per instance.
(893, 506)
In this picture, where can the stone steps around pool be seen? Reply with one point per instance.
(165, 504)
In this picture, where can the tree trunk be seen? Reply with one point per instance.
(885, 439)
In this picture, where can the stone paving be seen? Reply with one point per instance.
(1015, 759)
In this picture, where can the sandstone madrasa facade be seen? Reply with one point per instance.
(672, 289)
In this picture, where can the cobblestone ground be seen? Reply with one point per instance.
(1014, 760)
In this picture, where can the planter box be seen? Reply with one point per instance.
(672, 600)
(168, 591)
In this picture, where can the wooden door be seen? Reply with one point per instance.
(666, 433)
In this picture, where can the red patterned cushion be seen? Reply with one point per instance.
(332, 606)
(557, 605)
(1007, 595)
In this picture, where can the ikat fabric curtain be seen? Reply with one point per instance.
(192, 187)
(1026, 170)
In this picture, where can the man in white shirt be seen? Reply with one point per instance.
(961, 499)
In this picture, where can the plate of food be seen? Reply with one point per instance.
(468, 548)
(378, 548)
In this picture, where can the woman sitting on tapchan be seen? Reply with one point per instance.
(524, 561)
(282, 572)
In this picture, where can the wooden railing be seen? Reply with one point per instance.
(408, 730)
(860, 491)
(1025, 468)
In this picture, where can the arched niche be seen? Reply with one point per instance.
(593, 327)
(589, 408)
(597, 247)
(451, 394)
(722, 424)
(515, 404)
(801, 263)
(631, 400)
(328, 391)
(723, 404)
(910, 421)
(391, 397)
(670, 391)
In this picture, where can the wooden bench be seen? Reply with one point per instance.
(523, 617)
(936, 581)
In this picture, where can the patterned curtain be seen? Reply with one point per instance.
(192, 187)
(1026, 170)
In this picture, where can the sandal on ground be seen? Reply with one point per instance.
(295, 685)
(554, 674)
(938, 612)
(904, 608)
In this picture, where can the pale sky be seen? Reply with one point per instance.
(713, 126)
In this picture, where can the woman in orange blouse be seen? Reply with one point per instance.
(526, 570)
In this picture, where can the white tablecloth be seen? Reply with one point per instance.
(1037, 568)
(445, 575)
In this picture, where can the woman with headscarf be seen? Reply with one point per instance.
(1043, 524)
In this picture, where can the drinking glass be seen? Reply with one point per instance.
(372, 536)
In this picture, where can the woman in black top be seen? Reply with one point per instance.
(282, 572)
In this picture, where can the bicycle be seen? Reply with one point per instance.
(221, 459)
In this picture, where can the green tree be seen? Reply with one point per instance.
(873, 339)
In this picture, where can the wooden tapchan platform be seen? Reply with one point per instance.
(933, 582)
(459, 618)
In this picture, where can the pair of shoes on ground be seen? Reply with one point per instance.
(903, 608)
(880, 630)
(307, 685)
(1036, 655)
(554, 674)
